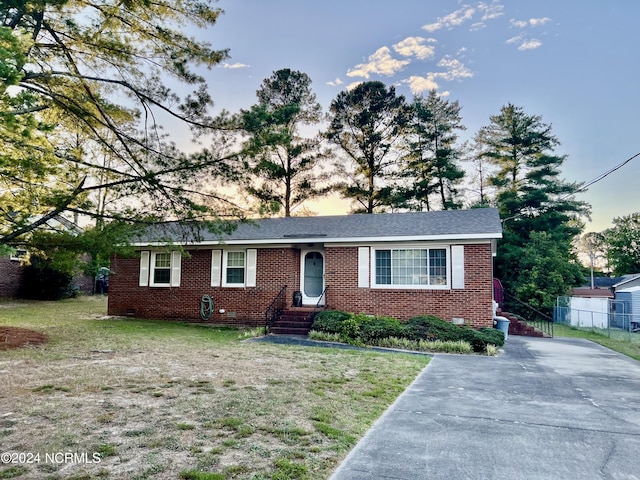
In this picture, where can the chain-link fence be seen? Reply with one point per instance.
(605, 316)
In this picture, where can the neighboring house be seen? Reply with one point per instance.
(627, 281)
(401, 264)
(12, 266)
(10, 276)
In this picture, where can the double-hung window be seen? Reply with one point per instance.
(411, 267)
(235, 268)
(160, 269)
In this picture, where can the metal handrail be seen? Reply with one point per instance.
(317, 308)
(544, 322)
(275, 308)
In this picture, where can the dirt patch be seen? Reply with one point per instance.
(14, 337)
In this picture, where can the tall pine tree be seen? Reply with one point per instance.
(367, 123)
(430, 165)
(281, 164)
(537, 207)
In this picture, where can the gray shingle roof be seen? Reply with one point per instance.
(451, 224)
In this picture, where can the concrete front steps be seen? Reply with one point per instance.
(293, 321)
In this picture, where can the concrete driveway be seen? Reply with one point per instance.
(544, 409)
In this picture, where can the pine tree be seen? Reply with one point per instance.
(534, 203)
(431, 161)
(282, 166)
(367, 124)
(87, 81)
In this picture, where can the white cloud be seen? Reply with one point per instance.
(415, 46)
(353, 85)
(454, 19)
(235, 65)
(516, 39)
(532, 22)
(525, 43)
(535, 22)
(421, 84)
(492, 11)
(530, 44)
(489, 11)
(335, 83)
(454, 69)
(519, 23)
(381, 62)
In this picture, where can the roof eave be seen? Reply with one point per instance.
(333, 240)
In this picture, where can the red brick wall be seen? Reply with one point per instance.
(276, 267)
(10, 277)
(473, 303)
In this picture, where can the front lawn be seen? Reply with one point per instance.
(620, 342)
(171, 400)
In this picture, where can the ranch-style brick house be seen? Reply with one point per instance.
(397, 264)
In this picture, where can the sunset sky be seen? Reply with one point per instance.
(574, 62)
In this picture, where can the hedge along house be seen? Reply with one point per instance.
(399, 264)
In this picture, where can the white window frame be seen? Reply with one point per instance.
(152, 270)
(374, 284)
(220, 263)
(175, 265)
(225, 266)
(19, 254)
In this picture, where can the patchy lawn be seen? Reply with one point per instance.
(131, 399)
(623, 342)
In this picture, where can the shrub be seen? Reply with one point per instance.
(479, 339)
(375, 328)
(330, 321)
(494, 336)
(41, 281)
(458, 346)
(430, 327)
(415, 334)
(324, 336)
(350, 330)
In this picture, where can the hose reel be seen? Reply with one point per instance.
(206, 307)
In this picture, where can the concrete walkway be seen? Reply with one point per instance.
(544, 409)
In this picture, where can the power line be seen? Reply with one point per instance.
(586, 185)
(605, 174)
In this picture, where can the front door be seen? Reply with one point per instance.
(312, 284)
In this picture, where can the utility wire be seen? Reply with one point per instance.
(586, 185)
(605, 174)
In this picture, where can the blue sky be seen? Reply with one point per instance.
(574, 62)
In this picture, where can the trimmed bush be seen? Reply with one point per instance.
(362, 329)
(375, 328)
(493, 335)
(330, 321)
(430, 327)
(479, 339)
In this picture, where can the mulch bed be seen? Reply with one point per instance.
(14, 337)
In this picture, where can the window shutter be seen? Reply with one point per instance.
(216, 267)
(457, 266)
(363, 267)
(176, 266)
(252, 260)
(144, 269)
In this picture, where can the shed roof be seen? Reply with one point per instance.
(479, 223)
(593, 292)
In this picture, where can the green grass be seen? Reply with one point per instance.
(185, 401)
(618, 342)
(79, 324)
